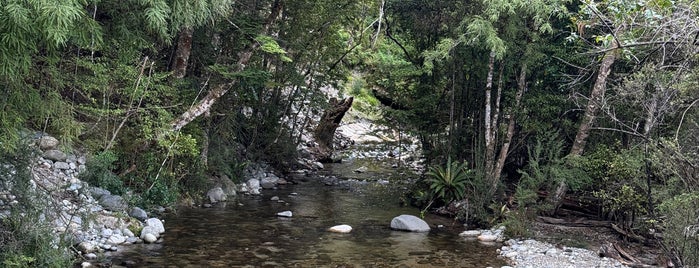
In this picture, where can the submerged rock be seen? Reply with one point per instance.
(409, 223)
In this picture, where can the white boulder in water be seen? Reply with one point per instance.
(409, 223)
(343, 229)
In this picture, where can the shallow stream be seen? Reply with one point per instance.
(247, 233)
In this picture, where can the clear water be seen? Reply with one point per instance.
(247, 233)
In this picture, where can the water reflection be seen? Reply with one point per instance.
(252, 236)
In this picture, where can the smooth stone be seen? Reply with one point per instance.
(287, 214)
(156, 224)
(409, 223)
(150, 238)
(138, 213)
(343, 229)
(274, 198)
(487, 237)
(149, 230)
(85, 264)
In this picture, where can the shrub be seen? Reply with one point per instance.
(99, 172)
(681, 229)
(448, 183)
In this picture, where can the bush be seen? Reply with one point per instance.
(99, 172)
(448, 183)
(680, 229)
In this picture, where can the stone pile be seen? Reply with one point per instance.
(95, 219)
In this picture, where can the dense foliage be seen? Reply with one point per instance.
(599, 99)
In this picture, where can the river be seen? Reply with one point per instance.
(247, 233)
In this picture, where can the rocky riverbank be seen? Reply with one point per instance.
(532, 253)
(91, 219)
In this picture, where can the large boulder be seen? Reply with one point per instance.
(216, 195)
(269, 182)
(156, 224)
(409, 223)
(113, 202)
(253, 186)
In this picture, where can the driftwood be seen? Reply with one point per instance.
(614, 251)
(580, 222)
(628, 234)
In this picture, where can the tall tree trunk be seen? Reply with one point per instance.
(490, 127)
(184, 49)
(504, 150)
(593, 104)
(325, 131)
(208, 101)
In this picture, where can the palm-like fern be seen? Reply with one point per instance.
(448, 182)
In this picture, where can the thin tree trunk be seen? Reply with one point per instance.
(184, 49)
(504, 150)
(593, 104)
(208, 101)
(489, 127)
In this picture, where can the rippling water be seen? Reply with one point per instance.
(247, 232)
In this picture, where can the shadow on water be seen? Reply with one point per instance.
(250, 234)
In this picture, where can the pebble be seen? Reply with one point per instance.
(532, 253)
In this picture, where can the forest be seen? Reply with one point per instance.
(519, 106)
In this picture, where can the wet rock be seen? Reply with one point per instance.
(269, 182)
(149, 238)
(55, 155)
(274, 198)
(47, 143)
(149, 230)
(113, 202)
(138, 213)
(318, 165)
(287, 214)
(409, 223)
(253, 186)
(343, 229)
(90, 256)
(216, 195)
